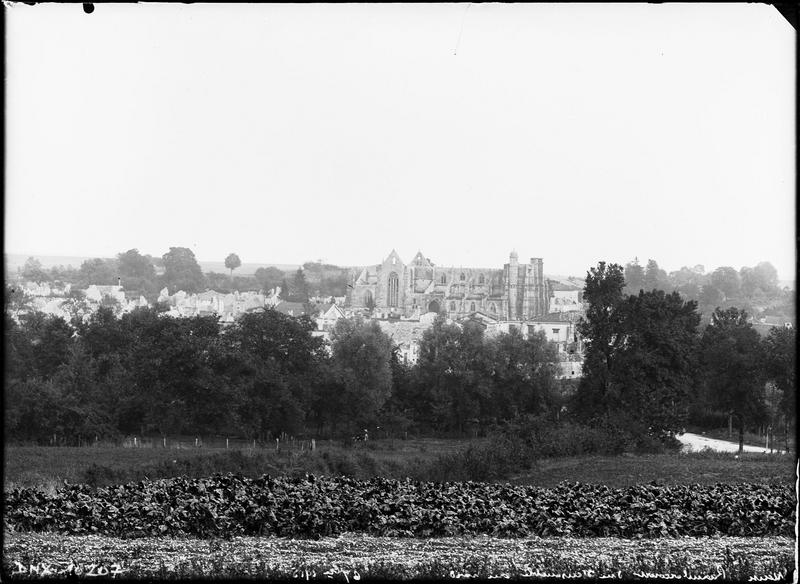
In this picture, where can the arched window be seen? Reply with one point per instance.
(472, 307)
(493, 308)
(394, 289)
(367, 298)
(443, 279)
(452, 305)
(462, 276)
(481, 279)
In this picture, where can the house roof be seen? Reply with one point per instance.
(551, 317)
(333, 311)
(562, 286)
(290, 308)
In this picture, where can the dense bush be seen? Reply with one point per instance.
(538, 437)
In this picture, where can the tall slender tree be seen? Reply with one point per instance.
(232, 262)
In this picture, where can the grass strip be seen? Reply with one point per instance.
(356, 556)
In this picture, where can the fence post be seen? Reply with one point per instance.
(277, 444)
(313, 445)
(165, 441)
(195, 442)
(226, 443)
(254, 443)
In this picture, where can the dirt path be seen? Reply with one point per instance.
(695, 443)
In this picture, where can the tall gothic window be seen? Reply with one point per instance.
(481, 279)
(367, 298)
(444, 279)
(492, 308)
(462, 277)
(452, 305)
(472, 307)
(394, 289)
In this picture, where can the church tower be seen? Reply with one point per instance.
(512, 283)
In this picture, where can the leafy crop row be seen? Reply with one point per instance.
(231, 505)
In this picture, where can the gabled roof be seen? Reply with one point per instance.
(421, 261)
(562, 286)
(332, 312)
(391, 255)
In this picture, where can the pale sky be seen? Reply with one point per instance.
(288, 133)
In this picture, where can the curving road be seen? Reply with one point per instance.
(695, 443)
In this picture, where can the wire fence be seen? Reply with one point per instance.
(280, 443)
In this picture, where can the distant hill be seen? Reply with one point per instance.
(246, 269)
(14, 261)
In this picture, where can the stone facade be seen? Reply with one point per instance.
(393, 288)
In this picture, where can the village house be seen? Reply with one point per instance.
(96, 293)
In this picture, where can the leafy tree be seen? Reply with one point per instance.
(656, 365)
(654, 277)
(767, 276)
(726, 280)
(279, 370)
(761, 280)
(33, 271)
(687, 282)
(135, 266)
(101, 272)
(397, 413)
(600, 331)
(181, 271)
(454, 375)
(219, 282)
(49, 338)
(710, 297)
(523, 374)
(138, 273)
(732, 359)
(299, 289)
(65, 275)
(326, 279)
(268, 278)
(780, 353)
(634, 277)
(362, 355)
(639, 362)
(749, 281)
(31, 409)
(284, 293)
(232, 262)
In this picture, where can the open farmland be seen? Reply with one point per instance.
(233, 525)
(48, 467)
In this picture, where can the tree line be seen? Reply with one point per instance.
(178, 269)
(649, 368)
(648, 363)
(147, 373)
(755, 289)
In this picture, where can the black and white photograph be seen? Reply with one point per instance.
(436, 291)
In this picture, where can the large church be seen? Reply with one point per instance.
(515, 292)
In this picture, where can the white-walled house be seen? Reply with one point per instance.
(96, 293)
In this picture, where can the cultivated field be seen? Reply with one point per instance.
(626, 516)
